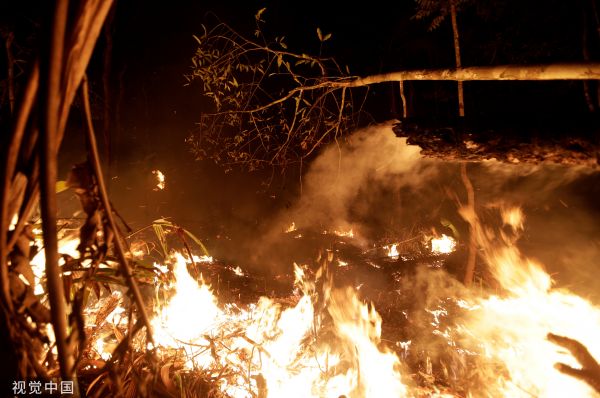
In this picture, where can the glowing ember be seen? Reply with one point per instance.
(160, 180)
(347, 234)
(392, 251)
(443, 245)
(291, 228)
(238, 271)
(13, 222)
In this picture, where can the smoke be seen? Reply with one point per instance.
(385, 191)
(347, 182)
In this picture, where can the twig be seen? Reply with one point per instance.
(95, 160)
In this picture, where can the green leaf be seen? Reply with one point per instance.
(327, 37)
(160, 234)
(319, 34)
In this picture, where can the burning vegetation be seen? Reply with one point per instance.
(397, 271)
(329, 329)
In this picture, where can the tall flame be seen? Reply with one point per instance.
(512, 328)
(278, 351)
(443, 245)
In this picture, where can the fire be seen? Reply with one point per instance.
(512, 328)
(443, 245)
(160, 180)
(328, 343)
(347, 234)
(68, 246)
(276, 351)
(392, 251)
(291, 228)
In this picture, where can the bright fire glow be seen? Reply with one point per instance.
(273, 351)
(512, 328)
(291, 228)
(443, 245)
(348, 234)
(392, 251)
(279, 346)
(38, 263)
(160, 180)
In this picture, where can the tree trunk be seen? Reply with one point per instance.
(461, 99)
(51, 82)
(581, 71)
(11, 70)
(586, 57)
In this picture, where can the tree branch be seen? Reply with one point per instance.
(95, 161)
(52, 61)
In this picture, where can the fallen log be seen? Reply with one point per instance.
(573, 142)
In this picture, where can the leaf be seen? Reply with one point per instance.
(61, 186)
(319, 34)
(164, 375)
(160, 234)
(198, 242)
(279, 60)
(446, 223)
(259, 13)
(327, 37)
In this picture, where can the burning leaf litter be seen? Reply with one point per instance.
(325, 341)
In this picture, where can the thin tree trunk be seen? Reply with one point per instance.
(106, 80)
(11, 70)
(52, 64)
(403, 97)
(597, 23)
(586, 57)
(472, 256)
(461, 99)
(581, 71)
